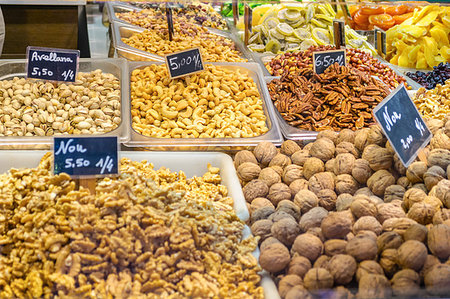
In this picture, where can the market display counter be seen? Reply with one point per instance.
(58, 24)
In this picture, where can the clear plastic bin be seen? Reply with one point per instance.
(192, 164)
(215, 144)
(118, 67)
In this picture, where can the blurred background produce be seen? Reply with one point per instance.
(296, 26)
(422, 41)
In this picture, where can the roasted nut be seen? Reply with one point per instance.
(367, 223)
(394, 192)
(321, 181)
(378, 157)
(416, 171)
(264, 152)
(421, 212)
(362, 248)
(270, 240)
(437, 280)
(287, 283)
(343, 201)
(342, 267)
(306, 200)
(406, 283)
(322, 262)
(274, 258)
(318, 279)
(336, 225)
(374, 286)
(361, 171)
(439, 241)
(298, 185)
(327, 199)
(269, 176)
(388, 261)
(347, 147)
(399, 225)
(412, 254)
(254, 189)
(244, 156)
(279, 192)
(262, 228)
(379, 181)
(280, 160)
(368, 267)
(344, 164)
(299, 265)
(442, 191)
(323, 149)
(291, 173)
(345, 183)
(162, 111)
(248, 171)
(313, 218)
(289, 147)
(390, 210)
(285, 230)
(433, 176)
(334, 247)
(299, 157)
(308, 245)
(312, 166)
(389, 240)
(260, 202)
(262, 213)
(289, 207)
(362, 206)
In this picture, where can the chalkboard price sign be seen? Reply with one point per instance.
(184, 63)
(52, 64)
(403, 125)
(86, 156)
(323, 59)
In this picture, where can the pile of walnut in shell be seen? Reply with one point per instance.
(343, 213)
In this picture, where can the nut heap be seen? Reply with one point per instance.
(215, 103)
(90, 105)
(289, 63)
(341, 97)
(145, 234)
(434, 103)
(199, 13)
(214, 48)
(343, 212)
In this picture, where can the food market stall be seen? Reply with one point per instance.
(262, 158)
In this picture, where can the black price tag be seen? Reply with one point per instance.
(86, 156)
(52, 64)
(323, 59)
(184, 63)
(403, 125)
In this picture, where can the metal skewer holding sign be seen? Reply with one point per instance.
(339, 33)
(169, 20)
(380, 42)
(235, 7)
(248, 13)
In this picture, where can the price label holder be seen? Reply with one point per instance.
(403, 125)
(184, 63)
(52, 64)
(323, 59)
(235, 6)
(339, 33)
(169, 20)
(248, 13)
(380, 42)
(86, 158)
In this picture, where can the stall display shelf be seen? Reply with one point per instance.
(118, 67)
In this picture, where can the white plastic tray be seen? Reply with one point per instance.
(191, 163)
